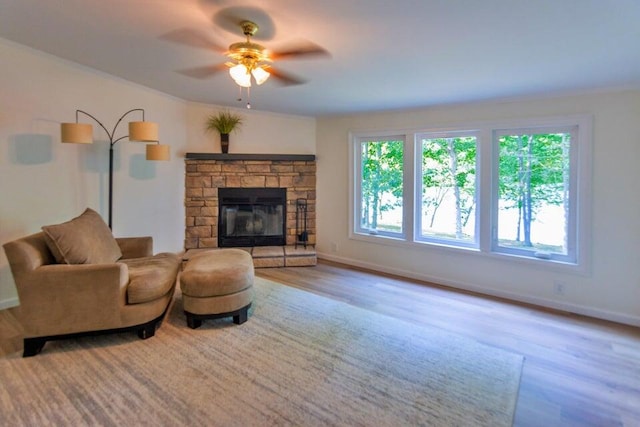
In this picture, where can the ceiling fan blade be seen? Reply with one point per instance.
(306, 48)
(192, 38)
(284, 78)
(203, 72)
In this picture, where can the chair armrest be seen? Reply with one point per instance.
(61, 298)
(135, 247)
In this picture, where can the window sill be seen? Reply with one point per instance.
(429, 247)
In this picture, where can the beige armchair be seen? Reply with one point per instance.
(60, 298)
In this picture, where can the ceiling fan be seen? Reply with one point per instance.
(247, 59)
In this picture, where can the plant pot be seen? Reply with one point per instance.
(224, 142)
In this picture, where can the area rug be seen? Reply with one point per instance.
(300, 359)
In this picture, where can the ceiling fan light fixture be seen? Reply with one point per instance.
(237, 71)
(246, 60)
(245, 81)
(260, 74)
(240, 75)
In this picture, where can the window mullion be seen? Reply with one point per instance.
(485, 190)
(409, 186)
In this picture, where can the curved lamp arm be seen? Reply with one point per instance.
(111, 134)
(144, 131)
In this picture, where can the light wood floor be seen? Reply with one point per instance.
(577, 372)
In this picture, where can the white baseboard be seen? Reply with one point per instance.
(8, 303)
(543, 302)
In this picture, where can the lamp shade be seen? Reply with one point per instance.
(158, 152)
(78, 133)
(260, 75)
(238, 71)
(240, 75)
(143, 131)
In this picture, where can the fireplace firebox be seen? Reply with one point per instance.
(252, 217)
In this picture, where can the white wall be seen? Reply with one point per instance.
(612, 288)
(45, 182)
(261, 132)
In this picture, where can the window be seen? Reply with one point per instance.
(535, 212)
(518, 189)
(380, 186)
(447, 188)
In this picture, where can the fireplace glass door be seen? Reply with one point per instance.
(251, 217)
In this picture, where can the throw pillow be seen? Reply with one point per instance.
(85, 239)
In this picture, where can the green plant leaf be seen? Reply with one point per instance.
(224, 122)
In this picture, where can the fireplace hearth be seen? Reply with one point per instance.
(252, 217)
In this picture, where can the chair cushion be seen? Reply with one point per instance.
(85, 239)
(151, 277)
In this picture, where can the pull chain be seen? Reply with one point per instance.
(248, 96)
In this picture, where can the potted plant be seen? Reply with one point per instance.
(224, 122)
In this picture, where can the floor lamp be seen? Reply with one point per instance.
(82, 133)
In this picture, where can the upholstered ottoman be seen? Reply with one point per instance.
(216, 284)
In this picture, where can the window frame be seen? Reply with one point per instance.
(356, 197)
(418, 237)
(486, 189)
(571, 256)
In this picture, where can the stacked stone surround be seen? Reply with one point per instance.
(206, 173)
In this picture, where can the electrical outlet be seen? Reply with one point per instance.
(559, 287)
(334, 247)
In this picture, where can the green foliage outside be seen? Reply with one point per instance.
(533, 174)
(382, 169)
(448, 170)
(533, 171)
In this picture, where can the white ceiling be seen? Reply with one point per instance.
(385, 54)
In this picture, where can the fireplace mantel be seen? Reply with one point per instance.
(243, 156)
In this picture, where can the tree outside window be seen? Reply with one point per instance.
(534, 192)
(381, 186)
(448, 188)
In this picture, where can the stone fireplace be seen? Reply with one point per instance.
(207, 173)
